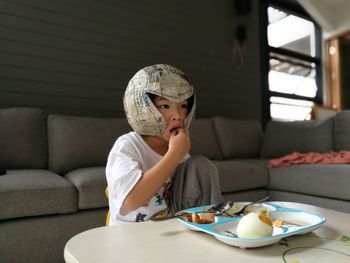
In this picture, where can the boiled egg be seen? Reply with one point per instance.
(254, 225)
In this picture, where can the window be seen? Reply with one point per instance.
(293, 62)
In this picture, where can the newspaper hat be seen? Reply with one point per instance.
(163, 80)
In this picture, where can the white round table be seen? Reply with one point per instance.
(170, 241)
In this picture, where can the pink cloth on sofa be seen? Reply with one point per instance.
(341, 157)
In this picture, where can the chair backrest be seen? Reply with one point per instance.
(108, 214)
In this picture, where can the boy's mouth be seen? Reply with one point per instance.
(175, 129)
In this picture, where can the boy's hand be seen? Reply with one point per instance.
(180, 143)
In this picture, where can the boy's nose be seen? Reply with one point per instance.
(176, 116)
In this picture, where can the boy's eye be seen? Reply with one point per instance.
(163, 106)
(184, 106)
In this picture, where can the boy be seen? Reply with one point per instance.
(149, 171)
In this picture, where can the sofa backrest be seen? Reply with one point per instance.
(204, 140)
(77, 142)
(342, 131)
(23, 140)
(283, 138)
(238, 138)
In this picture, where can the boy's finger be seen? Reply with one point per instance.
(173, 133)
(185, 131)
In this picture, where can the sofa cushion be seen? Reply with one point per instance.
(23, 140)
(342, 131)
(78, 142)
(326, 180)
(238, 138)
(203, 139)
(330, 203)
(91, 184)
(35, 192)
(243, 174)
(247, 195)
(283, 138)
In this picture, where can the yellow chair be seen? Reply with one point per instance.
(108, 214)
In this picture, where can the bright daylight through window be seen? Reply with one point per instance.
(293, 79)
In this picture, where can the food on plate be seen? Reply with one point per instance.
(279, 223)
(233, 209)
(254, 225)
(199, 218)
(258, 208)
(251, 208)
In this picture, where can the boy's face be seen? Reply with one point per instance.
(174, 113)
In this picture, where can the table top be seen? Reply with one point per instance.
(170, 241)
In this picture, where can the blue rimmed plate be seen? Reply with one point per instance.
(295, 222)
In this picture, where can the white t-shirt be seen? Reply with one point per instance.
(129, 158)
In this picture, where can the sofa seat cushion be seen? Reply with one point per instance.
(326, 180)
(91, 184)
(35, 192)
(243, 174)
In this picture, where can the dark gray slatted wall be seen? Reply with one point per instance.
(76, 56)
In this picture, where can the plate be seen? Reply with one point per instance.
(295, 222)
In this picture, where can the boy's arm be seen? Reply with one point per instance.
(153, 179)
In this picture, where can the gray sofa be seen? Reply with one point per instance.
(54, 181)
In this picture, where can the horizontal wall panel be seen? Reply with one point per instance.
(70, 45)
(46, 101)
(55, 78)
(24, 43)
(75, 56)
(111, 32)
(43, 88)
(56, 64)
(55, 53)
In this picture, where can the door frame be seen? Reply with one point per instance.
(333, 96)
